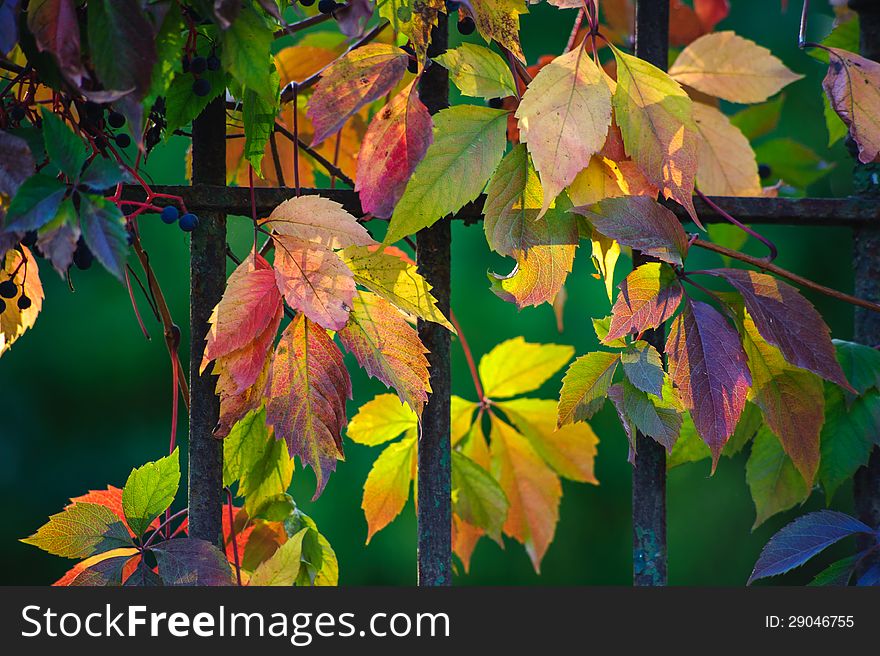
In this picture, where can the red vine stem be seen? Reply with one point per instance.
(165, 523)
(783, 273)
(579, 19)
(232, 535)
(468, 356)
(727, 217)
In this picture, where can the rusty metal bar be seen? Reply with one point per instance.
(649, 466)
(803, 212)
(207, 280)
(866, 267)
(433, 255)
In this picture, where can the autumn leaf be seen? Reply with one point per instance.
(314, 280)
(282, 568)
(395, 142)
(606, 178)
(774, 481)
(585, 386)
(385, 272)
(308, 390)
(55, 27)
(852, 85)
(788, 321)
(728, 66)
(319, 220)
(20, 267)
(388, 348)
(648, 297)
(531, 487)
(81, 530)
(381, 420)
(191, 562)
(516, 366)
(498, 20)
(655, 118)
(641, 223)
(478, 72)
(643, 368)
(726, 164)
(563, 118)
(468, 143)
(605, 253)
(708, 366)
(658, 417)
(478, 498)
(361, 76)
(387, 486)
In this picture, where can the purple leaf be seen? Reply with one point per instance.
(103, 228)
(802, 539)
(708, 365)
(56, 29)
(639, 222)
(871, 577)
(106, 572)
(353, 17)
(122, 45)
(16, 163)
(8, 25)
(188, 561)
(648, 297)
(788, 321)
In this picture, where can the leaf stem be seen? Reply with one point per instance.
(232, 535)
(783, 273)
(159, 528)
(468, 356)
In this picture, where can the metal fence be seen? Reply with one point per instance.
(209, 196)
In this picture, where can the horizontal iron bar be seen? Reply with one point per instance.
(849, 211)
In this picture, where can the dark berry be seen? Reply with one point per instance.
(213, 63)
(123, 140)
(189, 222)
(29, 239)
(17, 113)
(8, 289)
(198, 65)
(307, 3)
(851, 146)
(496, 103)
(185, 63)
(82, 256)
(412, 66)
(451, 6)
(764, 171)
(170, 214)
(466, 25)
(23, 302)
(201, 87)
(327, 6)
(2, 306)
(116, 120)
(94, 112)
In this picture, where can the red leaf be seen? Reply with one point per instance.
(307, 394)
(648, 297)
(190, 562)
(788, 321)
(395, 142)
(56, 29)
(708, 365)
(711, 12)
(639, 222)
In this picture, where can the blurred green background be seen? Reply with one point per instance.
(84, 397)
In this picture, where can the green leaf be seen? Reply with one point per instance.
(149, 491)
(845, 36)
(690, 448)
(477, 497)
(35, 203)
(246, 54)
(860, 364)
(478, 72)
(66, 150)
(468, 143)
(103, 228)
(643, 367)
(837, 129)
(122, 45)
(585, 386)
(656, 417)
(259, 123)
(792, 162)
(601, 326)
(260, 463)
(283, 567)
(516, 366)
(182, 105)
(774, 481)
(837, 573)
(847, 436)
(169, 44)
(759, 120)
(81, 530)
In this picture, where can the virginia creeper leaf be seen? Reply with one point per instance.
(258, 116)
(648, 297)
(191, 562)
(643, 367)
(35, 203)
(516, 366)
(774, 481)
(585, 386)
(478, 498)
(16, 163)
(837, 573)
(149, 491)
(245, 53)
(847, 437)
(656, 417)
(122, 45)
(319, 220)
(103, 228)
(283, 566)
(308, 389)
(55, 28)
(387, 486)
(81, 530)
(381, 420)
(498, 20)
(388, 348)
(14, 321)
(708, 365)
(860, 364)
(65, 150)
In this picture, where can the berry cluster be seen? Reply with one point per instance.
(465, 23)
(8, 291)
(188, 222)
(327, 6)
(198, 66)
(94, 121)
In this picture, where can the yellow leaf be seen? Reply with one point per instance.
(726, 164)
(319, 220)
(563, 119)
(570, 450)
(387, 487)
(532, 489)
(728, 66)
(462, 418)
(605, 255)
(14, 321)
(282, 568)
(655, 118)
(395, 279)
(516, 366)
(299, 62)
(381, 420)
(605, 178)
(498, 20)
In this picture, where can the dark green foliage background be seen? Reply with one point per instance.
(83, 398)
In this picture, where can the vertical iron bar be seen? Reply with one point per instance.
(649, 471)
(207, 280)
(433, 254)
(866, 266)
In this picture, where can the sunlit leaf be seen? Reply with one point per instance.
(516, 366)
(648, 297)
(585, 386)
(774, 481)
